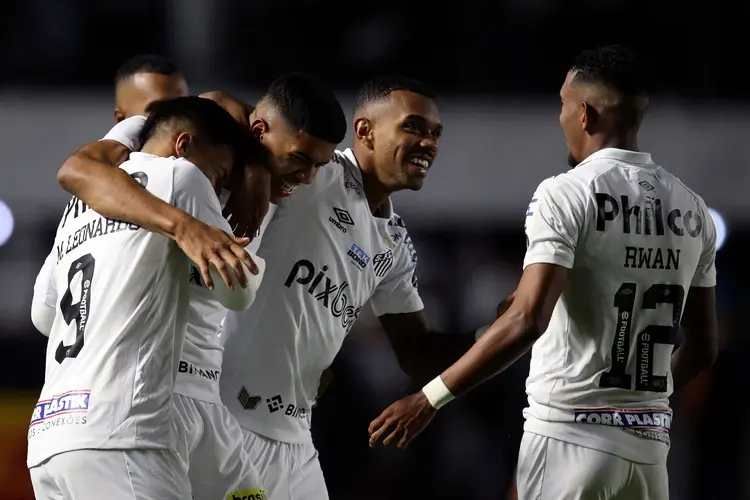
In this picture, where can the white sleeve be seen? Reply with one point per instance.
(44, 302)
(705, 273)
(126, 132)
(397, 293)
(194, 194)
(554, 220)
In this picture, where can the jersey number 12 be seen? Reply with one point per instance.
(80, 310)
(646, 339)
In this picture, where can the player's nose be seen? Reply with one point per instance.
(305, 176)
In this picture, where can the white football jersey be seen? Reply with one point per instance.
(326, 256)
(199, 369)
(120, 322)
(635, 239)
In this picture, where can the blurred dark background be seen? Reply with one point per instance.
(497, 67)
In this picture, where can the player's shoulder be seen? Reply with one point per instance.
(188, 178)
(567, 184)
(341, 162)
(677, 184)
(400, 238)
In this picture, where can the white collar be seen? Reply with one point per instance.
(624, 155)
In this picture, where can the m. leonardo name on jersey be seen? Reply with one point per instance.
(332, 296)
(100, 226)
(648, 219)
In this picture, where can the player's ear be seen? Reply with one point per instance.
(585, 115)
(363, 131)
(258, 127)
(590, 118)
(183, 144)
(119, 115)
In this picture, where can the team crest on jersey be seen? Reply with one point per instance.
(62, 404)
(382, 262)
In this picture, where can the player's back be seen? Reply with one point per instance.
(640, 236)
(114, 345)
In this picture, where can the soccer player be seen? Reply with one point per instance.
(330, 248)
(139, 82)
(299, 121)
(144, 79)
(103, 426)
(620, 253)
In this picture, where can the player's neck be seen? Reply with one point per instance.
(375, 191)
(628, 142)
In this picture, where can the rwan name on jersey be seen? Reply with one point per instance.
(647, 219)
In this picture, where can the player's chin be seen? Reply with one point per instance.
(414, 183)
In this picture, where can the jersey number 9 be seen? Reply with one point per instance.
(80, 310)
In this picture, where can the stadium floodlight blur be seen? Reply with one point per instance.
(722, 230)
(6, 223)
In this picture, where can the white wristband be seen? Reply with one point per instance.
(480, 331)
(126, 132)
(437, 393)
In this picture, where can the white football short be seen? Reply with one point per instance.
(111, 474)
(210, 443)
(549, 469)
(288, 471)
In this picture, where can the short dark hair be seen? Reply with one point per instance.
(309, 105)
(613, 66)
(381, 87)
(208, 120)
(146, 63)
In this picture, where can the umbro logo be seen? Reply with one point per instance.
(343, 219)
(343, 216)
(645, 185)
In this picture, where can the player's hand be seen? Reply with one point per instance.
(402, 421)
(248, 204)
(206, 245)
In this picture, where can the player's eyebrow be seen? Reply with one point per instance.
(438, 129)
(302, 156)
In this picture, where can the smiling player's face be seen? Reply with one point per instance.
(406, 134)
(295, 157)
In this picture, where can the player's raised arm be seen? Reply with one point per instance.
(89, 174)
(552, 229)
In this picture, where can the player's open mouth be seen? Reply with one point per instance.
(287, 188)
(421, 162)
